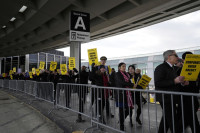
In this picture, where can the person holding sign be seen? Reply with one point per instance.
(123, 98)
(134, 79)
(191, 87)
(166, 79)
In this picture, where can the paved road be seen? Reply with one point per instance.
(18, 117)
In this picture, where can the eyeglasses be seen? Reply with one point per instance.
(174, 55)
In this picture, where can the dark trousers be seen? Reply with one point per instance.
(188, 114)
(123, 113)
(82, 97)
(167, 107)
(68, 91)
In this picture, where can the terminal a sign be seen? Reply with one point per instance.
(79, 26)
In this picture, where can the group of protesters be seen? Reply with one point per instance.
(167, 77)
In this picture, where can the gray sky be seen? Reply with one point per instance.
(178, 33)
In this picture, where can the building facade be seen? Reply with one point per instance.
(29, 61)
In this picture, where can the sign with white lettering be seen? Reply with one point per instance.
(79, 26)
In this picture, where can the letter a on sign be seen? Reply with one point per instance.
(80, 23)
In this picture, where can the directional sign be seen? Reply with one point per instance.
(79, 26)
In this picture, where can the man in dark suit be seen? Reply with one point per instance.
(188, 113)
(166, 79)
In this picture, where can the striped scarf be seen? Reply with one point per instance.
(128, 93)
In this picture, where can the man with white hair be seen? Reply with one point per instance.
(166, 79)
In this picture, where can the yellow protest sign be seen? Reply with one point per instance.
(31, 75)
(58, 70)
(191, 67)
(11, 77)
(98, 64)
(63, 68)
(53, 65)
(37, 71)
(33, 71)
(72, 63)
(109, 69)
(11, 72)
(42, 63)
(92, 56)
(4, 75)
(144, 81)
(14, 69)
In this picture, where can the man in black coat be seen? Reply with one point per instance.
(166, 79)
(82, 91)
(192, 87)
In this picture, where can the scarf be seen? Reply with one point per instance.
(105, 83)
(128, 93)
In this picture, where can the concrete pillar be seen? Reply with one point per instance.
(38, 63)
(11, 63)
(150, 71)
(27, 62)
(46, 60)
(4, 64)
(0, 65)
(75, 51)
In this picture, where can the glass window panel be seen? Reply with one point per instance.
(196, 51)
(158, 57)
(57, 59)
(155, 64)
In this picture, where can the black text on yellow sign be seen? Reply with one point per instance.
(53, 65)
(63, 68)
(72, 63)
(14, 69)
(144, 81)
(191, 67)
(31, 75)
(42, 63)
(92, 56)
(33, 71)
(37, 71)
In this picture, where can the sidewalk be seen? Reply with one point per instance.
(18, 117)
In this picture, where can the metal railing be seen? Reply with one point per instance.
(12, 84)
(45, 91)
(121, 109)
(31, 87)
(1, 82)
(6, 83)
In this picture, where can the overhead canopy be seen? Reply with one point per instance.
(44, 24)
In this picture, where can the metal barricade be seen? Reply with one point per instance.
(75, 97)
(45, 91)
(31, 87)
(6, 83)
(1, 83)
(20, 85)
(12, 84)
(129, 113)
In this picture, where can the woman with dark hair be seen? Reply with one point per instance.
(123, 98)
(134, 79)
(101, 95)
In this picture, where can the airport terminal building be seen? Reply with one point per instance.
(147, 63)
(29, 61)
